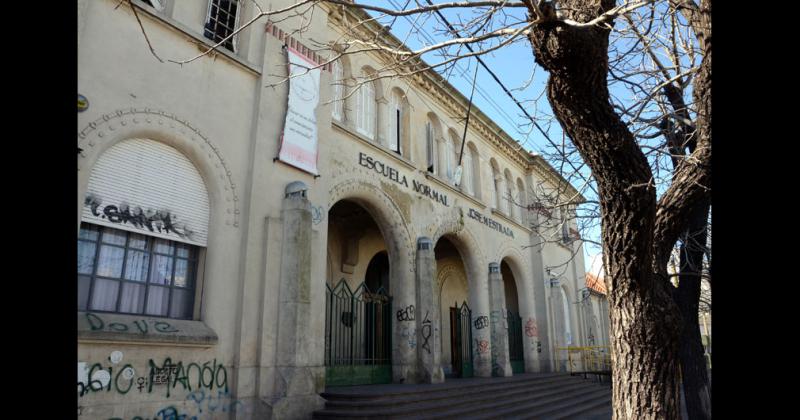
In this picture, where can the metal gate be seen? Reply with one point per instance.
(515, 343)
(358, 336)
(461, 340)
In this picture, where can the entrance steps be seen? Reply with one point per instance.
(524, 396)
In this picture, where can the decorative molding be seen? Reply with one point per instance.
(123, 120)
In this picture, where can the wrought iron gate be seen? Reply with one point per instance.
(515, 352)
(358, 336)
(461, 340)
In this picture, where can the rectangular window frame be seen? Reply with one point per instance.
(234, 40)
(194, 265)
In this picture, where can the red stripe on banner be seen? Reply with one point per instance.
(301, 55)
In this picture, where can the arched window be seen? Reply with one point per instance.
(522, 200)
(509, 195)
(466, 176)
(398, 122)
(430, 146)
(337, 95)
(366, 116)
(143, 225)
(494, 182)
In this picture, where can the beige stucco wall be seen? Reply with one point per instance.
(222, 114)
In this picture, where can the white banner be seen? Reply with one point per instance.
(299, 146)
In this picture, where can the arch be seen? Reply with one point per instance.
(104, 132)
(508, 194)
(519, 265)
(494, 184)
(522, 200)
(466, 245)
(384, 211)
(474, 168)
(368, 93)
(341, 102)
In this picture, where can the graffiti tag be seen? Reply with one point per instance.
(406, 314)
(481, 322)
(161, 221)
(531, 329)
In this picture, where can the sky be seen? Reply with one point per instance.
(514, 65)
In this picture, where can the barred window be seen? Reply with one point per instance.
(126, 272)
(221, 21)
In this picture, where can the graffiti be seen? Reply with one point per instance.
(481, 322)
(538, 346)
(426, 333)
(161, 221)
(531, 328)
(192, 376)
(317, 214)
(223, 401)
(96, 323)
(406, 314)
(168, 413)
(207, 376)
(97, 378)
(410, 336)
(500, 317)
(482, 346)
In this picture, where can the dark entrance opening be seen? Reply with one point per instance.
(461, 340)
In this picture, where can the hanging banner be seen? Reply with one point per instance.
(299, 146)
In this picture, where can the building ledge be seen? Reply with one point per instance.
(510, 221)
(104, 328)
(437, 179)
(377, 147)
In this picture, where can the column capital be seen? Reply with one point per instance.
(424, 243)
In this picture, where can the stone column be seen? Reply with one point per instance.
(429, 348)
(498, 319)
(557, 311)
(295, 392)
(481, 335)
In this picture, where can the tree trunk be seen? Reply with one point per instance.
(687, 296)
(644, 319)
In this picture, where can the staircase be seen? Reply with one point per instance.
(525, 396)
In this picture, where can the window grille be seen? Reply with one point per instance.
(221, 21)
(125, 272)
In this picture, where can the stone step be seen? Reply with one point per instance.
(603, 412)
(531, 406)
(378, 392)
(449, 393)
(570, 389)
(477, 401)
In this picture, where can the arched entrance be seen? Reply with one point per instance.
(455, 315)
(515, 346)
(358, 318)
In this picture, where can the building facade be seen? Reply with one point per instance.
(217, 281)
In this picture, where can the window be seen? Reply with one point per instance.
(396, 116)
(156, 4)
(467, 172)
(567, 320)
(337, 78)
(429, 146)
(221, 21)
(126, 272)
(365, 107)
